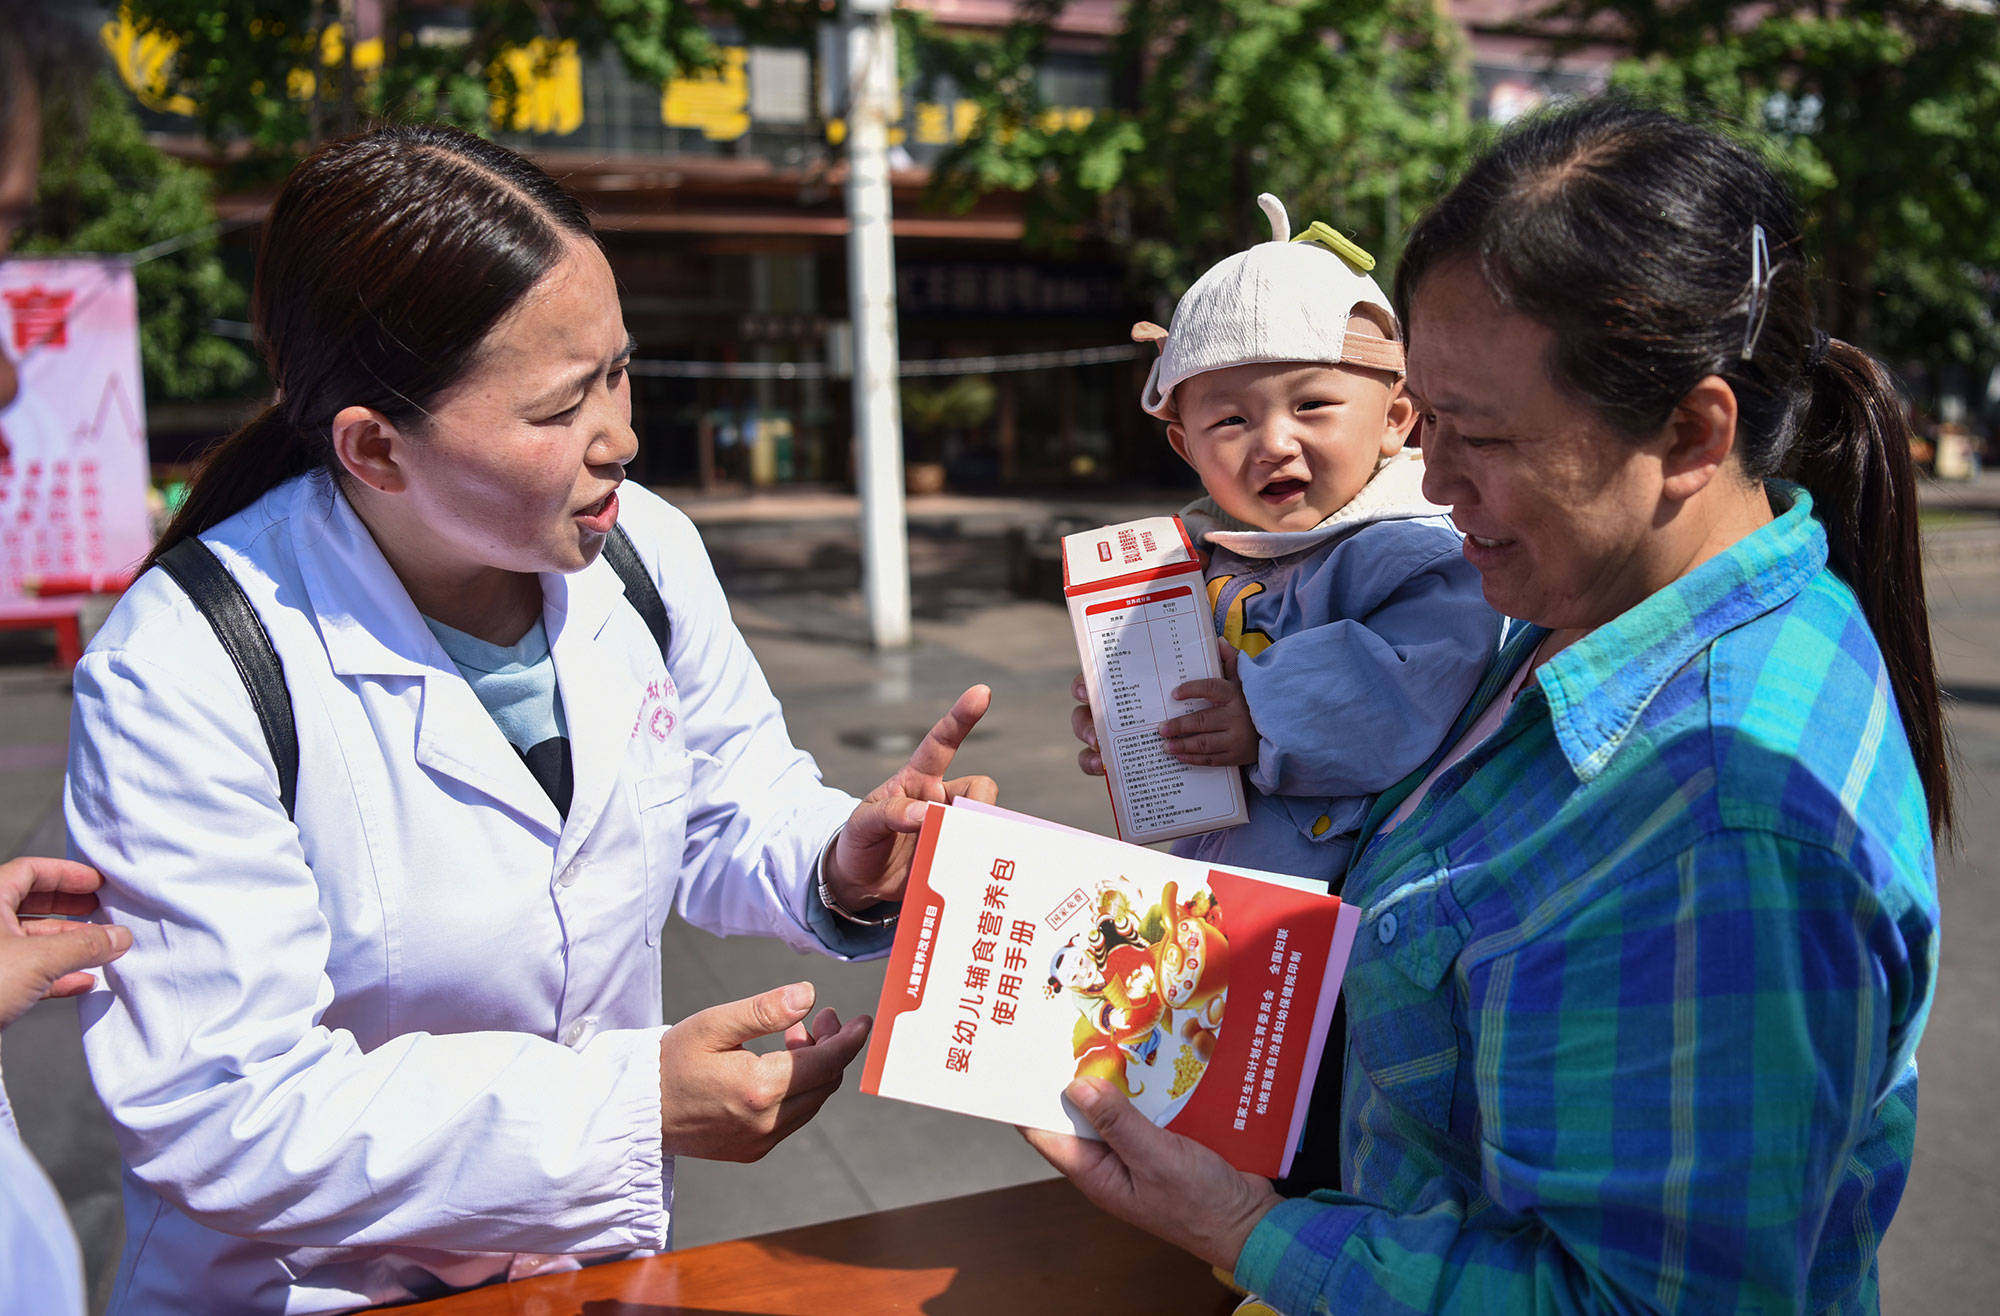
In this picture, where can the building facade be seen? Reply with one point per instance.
(719, 198)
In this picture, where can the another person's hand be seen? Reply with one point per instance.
(723, 1103)
(46, 956)
(1221, 734)
(1167, 1185)
(871, 860)
(1083, 726)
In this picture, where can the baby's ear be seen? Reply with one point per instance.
(1177, 439)
(1401, 420)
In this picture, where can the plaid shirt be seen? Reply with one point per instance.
(1634, 1003)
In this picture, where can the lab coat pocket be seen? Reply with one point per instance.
(663, 806)
(1400, 1016)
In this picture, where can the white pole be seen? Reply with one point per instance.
(871, 297)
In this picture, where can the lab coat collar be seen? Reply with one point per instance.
(365, 616)
(371, 628)
(602, 690)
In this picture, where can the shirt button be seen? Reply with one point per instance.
(580, 1032)
(569, 875)
(1385, 928)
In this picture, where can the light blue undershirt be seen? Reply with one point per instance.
(516, 683)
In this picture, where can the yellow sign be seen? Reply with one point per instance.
(939, 124)
(143, 60)
(302, 84)
(942, 124)
(717, 102)
(548, 88)
(547, 91)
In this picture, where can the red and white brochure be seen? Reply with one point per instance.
(1031, 954)
(1139, 608)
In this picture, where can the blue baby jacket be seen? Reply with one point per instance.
(1361, 639)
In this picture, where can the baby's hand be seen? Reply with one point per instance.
(1084, 728)
(1221, 734)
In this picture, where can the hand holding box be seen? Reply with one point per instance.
(1139, 608)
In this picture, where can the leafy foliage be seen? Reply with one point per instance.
(279, 74)
(104, 188)
(1353, 111)
(965, 403)
(1882, 114)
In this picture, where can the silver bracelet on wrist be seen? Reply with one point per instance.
(826, 897)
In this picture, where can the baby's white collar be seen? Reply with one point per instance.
(1393, 493)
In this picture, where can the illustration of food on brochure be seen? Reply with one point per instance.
(1030, 954)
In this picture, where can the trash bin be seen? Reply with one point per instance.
(1957, 454)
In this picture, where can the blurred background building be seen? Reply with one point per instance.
(719, 200)
(1041, 158)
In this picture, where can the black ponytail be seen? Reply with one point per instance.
(386, 260)
(1852, 454)
(1659, 253)
(238, 470)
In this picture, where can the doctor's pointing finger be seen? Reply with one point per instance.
(870, 861)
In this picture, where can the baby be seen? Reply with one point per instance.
(1354, 630)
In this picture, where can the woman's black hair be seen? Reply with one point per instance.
(1630, 235)
(386, 260)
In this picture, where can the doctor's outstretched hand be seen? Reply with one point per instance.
(46, 956)
(871, 860)
(725, 1103)
(1167, 1185)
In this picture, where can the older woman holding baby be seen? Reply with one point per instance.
(1648, 944)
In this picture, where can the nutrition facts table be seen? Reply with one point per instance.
(1145, 646)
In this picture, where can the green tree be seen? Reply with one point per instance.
(105, 189)
(1351, 111)
(1882, 115)
(275, 75)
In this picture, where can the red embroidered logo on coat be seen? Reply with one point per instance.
(655, 718)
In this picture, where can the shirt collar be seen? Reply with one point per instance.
(1394, 492)
(1598, 687)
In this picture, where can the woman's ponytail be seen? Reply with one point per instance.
(237, 471)
(1851, 452)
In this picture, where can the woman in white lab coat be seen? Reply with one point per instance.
(413, 1039)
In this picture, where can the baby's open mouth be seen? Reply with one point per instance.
(1278, 491)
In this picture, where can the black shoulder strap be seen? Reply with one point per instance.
(197, 571)
(640, 590)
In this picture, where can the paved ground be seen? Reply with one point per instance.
(791, 581)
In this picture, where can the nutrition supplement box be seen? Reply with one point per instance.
(1139, 607)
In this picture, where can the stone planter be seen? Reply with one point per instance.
(923, 478)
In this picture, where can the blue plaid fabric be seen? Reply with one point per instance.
(1634, 1005)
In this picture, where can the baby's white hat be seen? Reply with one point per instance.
(1283, 300)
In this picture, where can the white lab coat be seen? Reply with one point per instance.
(41, 1270)
(412, 1041)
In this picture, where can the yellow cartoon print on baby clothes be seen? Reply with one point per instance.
(1252, 641)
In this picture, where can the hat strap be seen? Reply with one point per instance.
(1372, 353)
